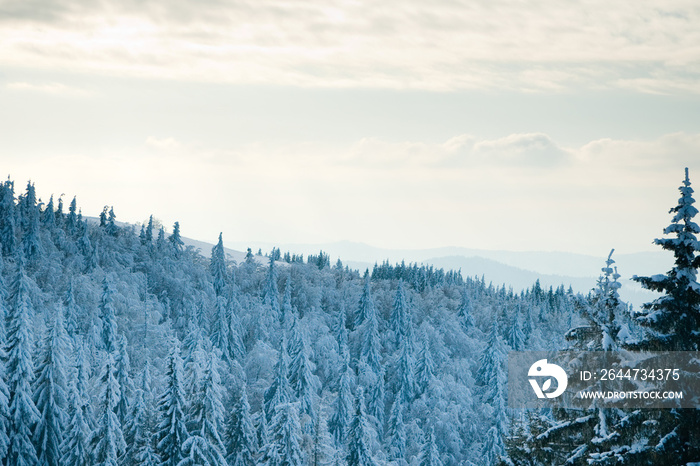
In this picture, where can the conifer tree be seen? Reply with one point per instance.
(341, 331)
(160, 241)
(137, 430)
(108, 439)
(301, 378)
(72, 311)
(7, 218)
(425, 368)
(370, 351)
(322, 452)
(218, 267)
(4, 406)
(279, 391)
(286, 310)
(358, 435)
(271, 293)
(50, 393)
(493, 447)
(465, 312)
(76, 443)
(429, 455)
(285, 433)
(492, 357)
(397, 433)
(399, 315)
(109, 320)
(375, 403)
(207, 413)
(111, 227)
(126, 385)
(20, 372)
(673, 319)
(175, 240)
(406, 381)
(149, 230)
(31, 246)
(516, 337)
(342, 406)
(172, 431)
(672, 322)
(72, 219)
(366, 305)
(59, 210)
(221, 327)
(4, 390)
(241, 440)
(48, 217)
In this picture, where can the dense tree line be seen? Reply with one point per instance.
(120, 347)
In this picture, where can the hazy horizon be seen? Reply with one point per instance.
(492, 126)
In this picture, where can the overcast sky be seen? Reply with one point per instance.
(539, 125)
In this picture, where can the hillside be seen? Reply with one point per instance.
(131, 346)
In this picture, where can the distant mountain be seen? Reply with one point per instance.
(518, 269)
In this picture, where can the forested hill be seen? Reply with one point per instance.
(124, 347)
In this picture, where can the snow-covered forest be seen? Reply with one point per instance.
(123, 346)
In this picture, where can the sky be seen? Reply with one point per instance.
(488, 124)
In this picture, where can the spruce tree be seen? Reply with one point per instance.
(492, 357)
(425, 368)
(301, 378)
(20, 372)
(397, 433)
(172, 431)
(48, 217)
(109, 320)
(286, 310)
(31, 246)
(50, 395)
(279, 391)
(7, 218)
(72, 219)
(270, 293)
(108, 439)
(241, 449)
(126, 385)
(221, 327)
(399, 315)
(516, 337)
(207, 412)
(137, 430)
(370, 350)
(406, 381)
(72, 310)
(218, 267)
(359, 436)
(366, 305)
(429, 455)
(493, 448)
(175, 240)
(673, 319)
(342, 407)
(322, 452)
(284, 449)
(464, 314)
(76, 442)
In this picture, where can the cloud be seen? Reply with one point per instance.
(494, 193)
(47, 88)
(533, 150)
(443, 45)
(163, 143)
